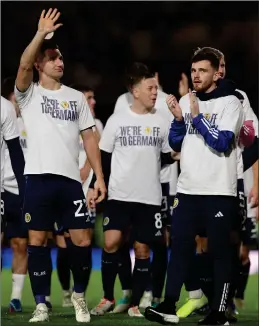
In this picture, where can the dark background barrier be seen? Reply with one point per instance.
(99, 39)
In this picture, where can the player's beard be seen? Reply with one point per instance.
(202, 87)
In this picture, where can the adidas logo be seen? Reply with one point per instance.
(159, 233)
(219, 214)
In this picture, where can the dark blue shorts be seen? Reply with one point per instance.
(15, 226)
(239, 210)
(213, 214)
(60, 230)
(53, 198)
(165, 206)
(145, 220)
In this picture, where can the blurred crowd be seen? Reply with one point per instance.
(98, 39)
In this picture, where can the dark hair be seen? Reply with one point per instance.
(205, 54)
(218, 53)
(82, 88)
(47, 45)
(8, 87)
(137, 72)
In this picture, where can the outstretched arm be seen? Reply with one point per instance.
(25, 72)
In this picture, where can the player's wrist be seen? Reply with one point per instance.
(194, 115)
(41, 34)
(99, 176)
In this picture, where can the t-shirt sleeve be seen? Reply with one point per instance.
(108, 138)
(123, 101)
(86, 119)
(233, 116)
(9, 124)
(24, 98)
(165, 143)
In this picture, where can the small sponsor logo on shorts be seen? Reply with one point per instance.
(176, 202)
(106, 221)
(27, 218)
(158, 234)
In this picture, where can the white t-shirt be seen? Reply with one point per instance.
(82, 155)
(9, 130)
(53, 120)
(136, 142)
(10, 183)
(203, 170)
(170, 173)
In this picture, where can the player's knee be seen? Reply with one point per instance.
(141, 250)
(112, 240)
(80, 238)
(37, 238)
(111, 246)
(81, 242)
(19, 246)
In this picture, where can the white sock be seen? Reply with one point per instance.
(79, 295)
(66, 293)
(197, 294)
(17, 286)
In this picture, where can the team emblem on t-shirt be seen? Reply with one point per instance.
(64, 104)
(106, 221)
(206, 116)
(147, 130)
(176, 202)
(27, 217)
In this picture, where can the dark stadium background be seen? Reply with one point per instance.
(99, 39)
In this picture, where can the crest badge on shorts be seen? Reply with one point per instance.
(106, 221)
(176, 202)
(27, 218)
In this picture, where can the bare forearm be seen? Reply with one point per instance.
(29, 55)
(94, 156)
(87, 165)
(255, 173)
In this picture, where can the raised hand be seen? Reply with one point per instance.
(47, 22)
(194, 105)
(183, 85)
(174, 107)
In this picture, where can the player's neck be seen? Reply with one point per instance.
(212, 87)
(49, 83)
(139, 108)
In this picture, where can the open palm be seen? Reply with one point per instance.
(174, 106)
(47, 22)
